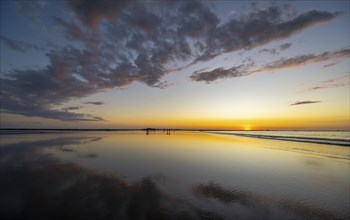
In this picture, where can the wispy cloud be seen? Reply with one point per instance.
(220, 73)
(12, 44)
(275, 51)
(285, 46)
(18, 46)
(245, 68)
(94, 103)
(72, 108)
(329, 65)
(332, 83)
(304, 102)
(31, 10)
(305, 59)
(270, 51)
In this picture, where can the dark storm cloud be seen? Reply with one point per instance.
(304, 102)
(94, 103)
(133, 41)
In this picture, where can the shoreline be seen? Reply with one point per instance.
(247, 134)
(327, 141)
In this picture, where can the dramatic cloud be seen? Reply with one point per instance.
(304, 103)
(94, 103)
(258, 28)
(122, 42)
(92, 12)
(36, 92)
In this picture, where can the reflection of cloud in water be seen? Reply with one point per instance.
(37, 186)
(67, 191)
(314, 162)
(215, 191)
(89, 155)
(263, 207)
(67, 149)
(21, 150)
(89, 140)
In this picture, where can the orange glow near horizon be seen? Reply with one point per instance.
(297, 123)
(253, 124)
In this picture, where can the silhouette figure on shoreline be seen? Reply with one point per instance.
(165, 130)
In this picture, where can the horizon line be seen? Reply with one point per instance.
(174, 129)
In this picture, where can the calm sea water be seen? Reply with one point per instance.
(184, 175)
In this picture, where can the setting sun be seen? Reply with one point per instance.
(247, 127)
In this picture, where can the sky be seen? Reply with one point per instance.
(245, 65)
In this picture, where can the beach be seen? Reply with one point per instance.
(180, 175)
